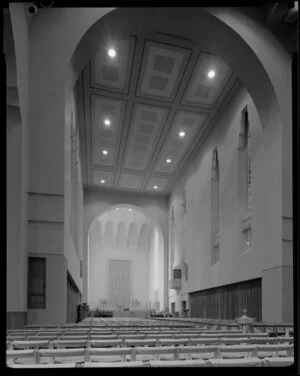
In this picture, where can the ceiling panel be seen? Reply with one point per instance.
(154, 88)
(113, 73)
(175, 146)
(106, 137)
(146, 125)
(160, 183)
(162, 68)
(106, 176)
(130, 181)
(201, 89)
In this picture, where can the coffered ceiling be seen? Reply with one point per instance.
(144, 112)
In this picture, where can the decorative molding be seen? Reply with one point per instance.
(287, 228)
(45, 221)
(46, 208)
(45, 194)
(277, 267)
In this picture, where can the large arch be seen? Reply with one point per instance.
(236, 35)
(163, 290)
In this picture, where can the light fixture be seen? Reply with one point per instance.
(211, 74)
(117, 208)
(168, 160)
(181, 133)
(112, 52)
(104, 152)
(130, 209)
(107, 122)
(155, 186)
(102, 181)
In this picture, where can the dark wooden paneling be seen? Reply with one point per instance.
(73, 300)
(228, 302)
(36, 292)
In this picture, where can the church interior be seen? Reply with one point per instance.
(149, 185)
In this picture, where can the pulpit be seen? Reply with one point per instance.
(245, 321)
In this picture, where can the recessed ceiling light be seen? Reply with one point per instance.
(181, 133)
(168, 160)
(104, 152)
(107, 122)
(117, 208)
(130, 209)
(155, 186)
(112, 52)
(211, 74)
(102, 181)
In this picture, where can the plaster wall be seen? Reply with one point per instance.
(73, 255)
(16, 55)
(266, 252)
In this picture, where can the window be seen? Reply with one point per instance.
(76, 194)
(247, 238)
(247, 151)
(172, 217)
(186, 271)
(245, 181)
(36, 282)
(177, 273)
(245, 158)
(173, 308)
(215, 208)
(172, 240)
(215, 253)
(183, 203)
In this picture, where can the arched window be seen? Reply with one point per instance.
(109, 234)
(245, 179)
(76, 200)
(215, 208)
(172, 239)
(183, 212)
(121, 235)
(132, 240)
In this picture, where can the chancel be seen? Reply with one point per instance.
(150, 185)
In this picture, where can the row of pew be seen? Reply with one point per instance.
(277, 328)
(162, 353)
(108, 342)
(141, 335)
(124, 342)
(268, 362)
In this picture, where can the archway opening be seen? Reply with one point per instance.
(125, 261)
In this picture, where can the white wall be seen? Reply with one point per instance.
(16, 46)
(234, 266)
(72, 255)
